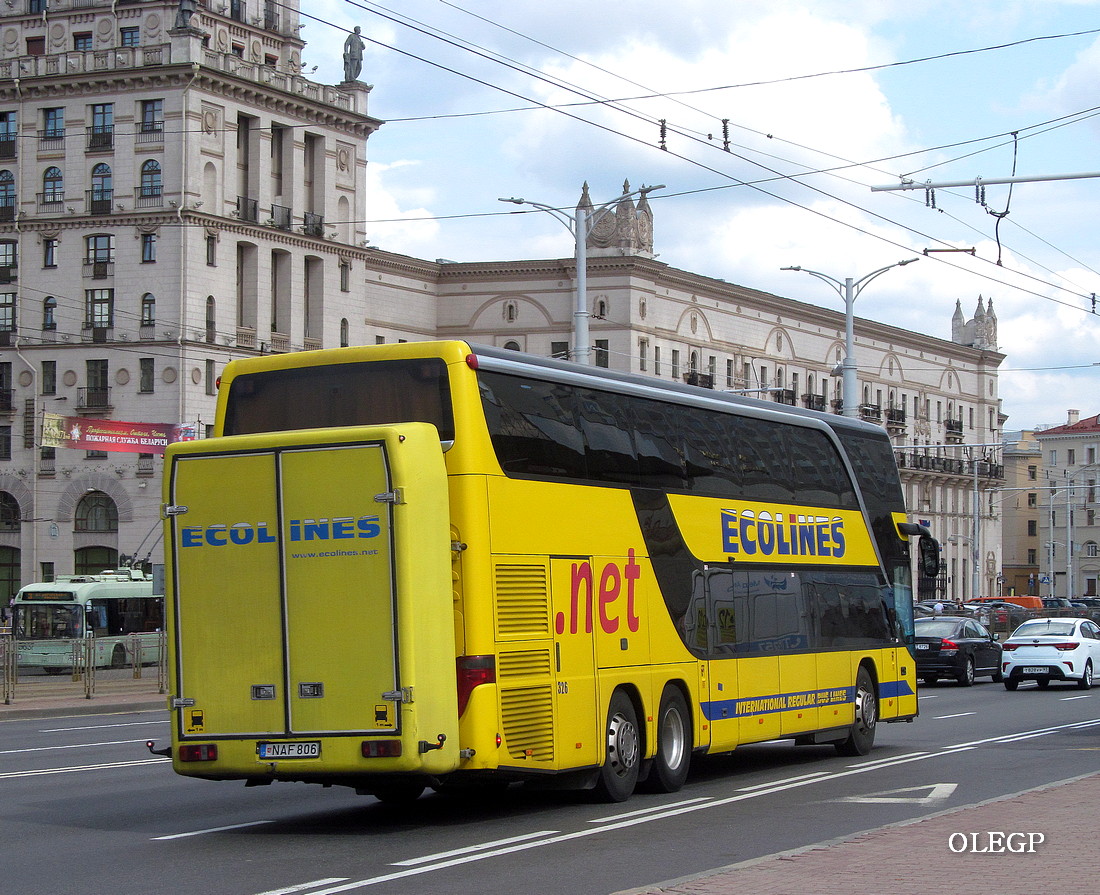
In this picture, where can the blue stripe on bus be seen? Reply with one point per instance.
(747, 707)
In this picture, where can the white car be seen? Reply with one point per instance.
(1052, 649)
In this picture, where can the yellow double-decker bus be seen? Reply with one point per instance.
(426, 564)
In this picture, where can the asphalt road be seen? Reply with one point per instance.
(85, 808)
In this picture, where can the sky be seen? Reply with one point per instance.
(821, 101)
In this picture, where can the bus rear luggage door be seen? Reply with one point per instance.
(314, 589)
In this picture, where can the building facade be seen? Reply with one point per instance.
(1069, 529)
(174, 194)
(1018, 505)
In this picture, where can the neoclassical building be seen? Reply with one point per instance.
(174, 194)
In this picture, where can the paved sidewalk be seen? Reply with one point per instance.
(136, 696)
(951, 851)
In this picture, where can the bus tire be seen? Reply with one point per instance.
(861, 736)
(622, 752)
(674, 739)
(118, 656)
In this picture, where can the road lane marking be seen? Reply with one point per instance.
(12, 775)
(251, 823)
(641, 811)
(103, 726)
(412, 862)
(69, 746)
(957, 715)
(935, 792)
(302, 887)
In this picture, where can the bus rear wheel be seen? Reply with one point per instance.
(861, 736)
(622, 755)
(673, 757)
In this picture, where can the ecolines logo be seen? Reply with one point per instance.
(244, 533)
(752, 532)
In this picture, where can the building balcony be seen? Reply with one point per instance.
(895, 418)
(8, 274)
(149, 132)
(784, 396)
(99, 270)
(100, 137)
(248, 209)
(702, 380)
(94, 399)
(313, 225)
(52, 202)
(149, 197)
(52, 139)
(8, 147)
(280, 343)
(246, 337)
(280, 217)
(99, 201)
(871, 413)
(7, 400)
(813, 402)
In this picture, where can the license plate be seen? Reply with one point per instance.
(922, 646)
(310, 749)
(1035, 669)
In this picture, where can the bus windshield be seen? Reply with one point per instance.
(353, 394)
(48, 621)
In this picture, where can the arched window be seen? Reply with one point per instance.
(344, 332)
(211, 319)
(150, 178)
(7, 195)
(511, 346)
(102, 182)
(96, 512)
(93, 560)
(53, 185)
(148, 309)
(9, 512)
(9, 573)
(49, 313)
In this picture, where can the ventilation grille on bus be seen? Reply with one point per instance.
(525, 663)
(528, 723)
(523, 600)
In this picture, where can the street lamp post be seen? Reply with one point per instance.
(580, 225)
(849, 290)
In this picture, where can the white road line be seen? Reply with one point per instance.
(412, 862)
(1071, 698)
(251, 823)
(302, 887)
(102, 726)
(946, 717)
(641, 811)
(12, 775)
(70, 746)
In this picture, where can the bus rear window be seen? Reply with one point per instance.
(335, 395)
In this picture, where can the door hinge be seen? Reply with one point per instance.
(182, 702)
(394, 496)
(172, 509)
(403, 696)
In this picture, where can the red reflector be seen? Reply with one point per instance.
(198, 752)
(473, 670)
(471, 361)
(381, 748)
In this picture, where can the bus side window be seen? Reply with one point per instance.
(97, 617)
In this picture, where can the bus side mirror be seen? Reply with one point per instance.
(929, 549)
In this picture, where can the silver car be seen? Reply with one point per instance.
(1052, 649)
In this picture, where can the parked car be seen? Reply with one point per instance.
(957, 647)
(1000, 612)
(1090, 607)
(1052, 649)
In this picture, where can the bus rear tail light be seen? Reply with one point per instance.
(381, 748)
(198, 752)
(472, 671)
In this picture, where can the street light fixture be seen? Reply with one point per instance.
(849, 290)
(580, 225)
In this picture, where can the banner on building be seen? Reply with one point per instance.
(111, 435)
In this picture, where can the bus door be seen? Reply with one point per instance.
(288, 565)
(576, 721)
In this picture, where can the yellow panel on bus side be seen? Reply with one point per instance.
(229, 618)
(339, 589)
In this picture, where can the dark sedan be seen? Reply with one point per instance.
(960, 648)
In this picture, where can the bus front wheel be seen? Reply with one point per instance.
(622, 759)
(670, 764)
(861, 737)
